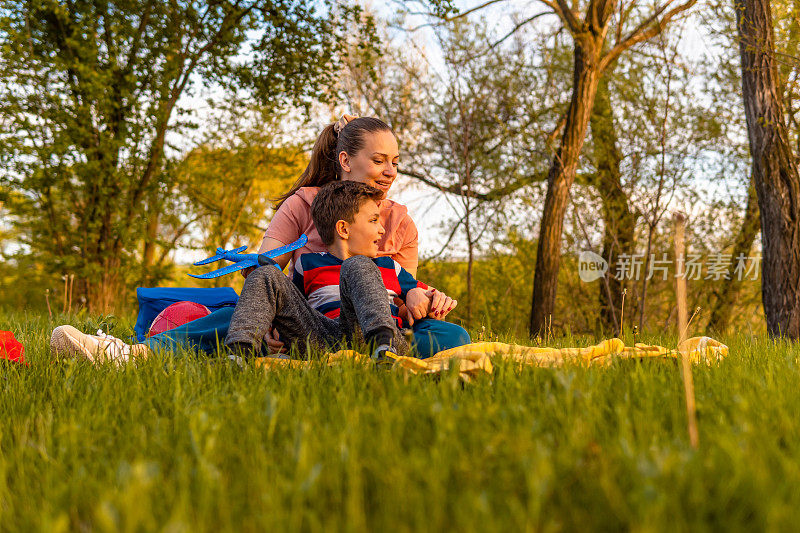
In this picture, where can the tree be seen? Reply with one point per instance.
(589, 23)
(231, 181)
(90, 100)
(775, 173)
(590, 62)
(619, 219)
(479, 135)
(468, 128)
(727, 71)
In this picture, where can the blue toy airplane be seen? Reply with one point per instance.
(241, 261)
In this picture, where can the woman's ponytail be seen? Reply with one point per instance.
(323, 167)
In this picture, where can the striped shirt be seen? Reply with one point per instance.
(317, 276)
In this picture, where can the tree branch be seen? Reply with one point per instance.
(567, 15)
(137, 38)
(490, 196)
(179, 232)
(182, 79)
(443, 20)
(510, 33)
(644, 31)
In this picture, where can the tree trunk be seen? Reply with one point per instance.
(729, 290)
(560, 178)
(775, 176)
(470, 261)
(618, 219)
(103, 292)
(151, 235)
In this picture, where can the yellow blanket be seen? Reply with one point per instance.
(476, 358)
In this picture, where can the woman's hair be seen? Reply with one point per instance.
(324, 165)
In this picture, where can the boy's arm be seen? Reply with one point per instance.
(298, 275)
(422, 300)
(415, 294)
(407, 282)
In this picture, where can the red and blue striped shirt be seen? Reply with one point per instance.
(317, 276)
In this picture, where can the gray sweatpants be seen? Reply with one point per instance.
(269, 299)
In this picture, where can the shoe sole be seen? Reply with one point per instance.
(66, 340)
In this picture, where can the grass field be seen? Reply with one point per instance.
(189, 444)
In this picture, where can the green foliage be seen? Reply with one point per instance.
(231, 190)
(502, 287)
(90, 95)
(196, 444)
(25, 285)
(503, 283)
(231, 179)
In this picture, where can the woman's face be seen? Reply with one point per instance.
(375, 164)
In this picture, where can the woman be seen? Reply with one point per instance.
(359, 149)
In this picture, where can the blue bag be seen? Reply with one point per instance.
(153, 300)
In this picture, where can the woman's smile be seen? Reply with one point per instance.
(382, 184)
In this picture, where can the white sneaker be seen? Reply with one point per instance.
(67, 340)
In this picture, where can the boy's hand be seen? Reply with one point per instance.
(275, 345)
(441, 304)
(246, 271)
(418, 303)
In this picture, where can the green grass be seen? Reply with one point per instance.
(189, 444)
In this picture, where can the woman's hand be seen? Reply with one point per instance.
(274, 345)
(246, 271)
(418, 303)
(441, 304)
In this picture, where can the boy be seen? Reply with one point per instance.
(335, 295)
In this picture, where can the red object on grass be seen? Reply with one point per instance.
(176, 315)
(11, 349)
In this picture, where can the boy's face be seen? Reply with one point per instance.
(365, 231)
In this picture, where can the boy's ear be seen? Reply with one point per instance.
(342, 229)
(344, 161)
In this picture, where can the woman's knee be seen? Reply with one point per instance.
(433, 336)
(456, 335)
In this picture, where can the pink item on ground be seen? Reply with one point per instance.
(11, 349)
(176, 315)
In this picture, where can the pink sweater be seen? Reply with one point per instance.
(293, 218)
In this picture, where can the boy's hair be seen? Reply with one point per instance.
(340, 200)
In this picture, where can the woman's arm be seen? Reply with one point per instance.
(267, 244)
(285, 225)
(270, 244)
(408, 254)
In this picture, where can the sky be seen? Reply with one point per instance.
(429, 210)
(427, 207)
